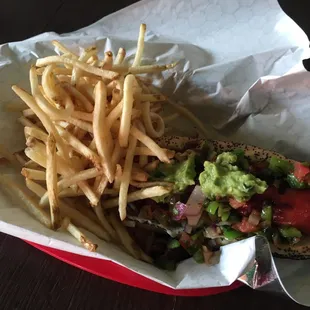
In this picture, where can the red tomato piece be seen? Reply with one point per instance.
(235, 203)
(301, 171)
(244, 226)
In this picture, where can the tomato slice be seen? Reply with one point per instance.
(235, 203)
(293, 209)
(301, 171)
(244, 226)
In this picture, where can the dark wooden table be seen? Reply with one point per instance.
(30, 279)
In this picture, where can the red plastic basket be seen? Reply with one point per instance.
(112, 271)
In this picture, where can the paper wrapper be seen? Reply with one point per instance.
(240, 71)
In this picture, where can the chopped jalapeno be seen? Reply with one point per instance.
(213, 206)
(230, 233)
(290, 232)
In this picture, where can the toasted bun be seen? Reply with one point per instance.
(301, 250)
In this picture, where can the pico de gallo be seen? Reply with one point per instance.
(218, 199)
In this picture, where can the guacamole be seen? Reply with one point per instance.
(182, 174)
(223, 178)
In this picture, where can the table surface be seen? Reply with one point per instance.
(31, 279)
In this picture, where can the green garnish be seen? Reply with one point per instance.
(173, 244)
(213, 206)
(230, 233)
(225, 216)
(182, 174)
(290, 232)
(294, 183)
(280, 167)
(266, 214)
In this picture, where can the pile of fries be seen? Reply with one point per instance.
(90, 127)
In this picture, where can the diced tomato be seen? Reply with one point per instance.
(186, 241)
(244, 226)
(293, 209)
(235, 203)
(301, 171)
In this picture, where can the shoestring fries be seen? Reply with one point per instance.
(90, 127)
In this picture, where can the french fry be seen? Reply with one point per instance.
(76, 216)
(102, 135)
(35, 133)
(33, 174)
(51, 181)
(43, 117)
(81, 124)
(138, 174)
(86, 121)
(151, 144)
(27, 202)
(87, 105)
(104, 222)
(150, 192)
(143, 150)
(78, 64)
(78, 177)
(26, 122)
(127, 110)
(108, 60)
(140, 46)
(118, 177)
(86, 54)
(121, 54)
(142, 69)
(77, 234)
(123, 191)
(124, 236)
(28, 113)
(80, 147)
(63, 49)
(88, 117)
(149, 118)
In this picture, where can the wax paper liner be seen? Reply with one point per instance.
(239, 71)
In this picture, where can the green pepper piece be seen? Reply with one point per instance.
(198, 257)
(213, 206)
(225, 216)
(266, 214)
(223, 209)
(173, 244)
(294, 183)
(290, 232)
(279, 166)
(230, 233)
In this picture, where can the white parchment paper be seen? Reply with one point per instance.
(240, 71)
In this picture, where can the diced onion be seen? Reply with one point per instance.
(254, 218)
